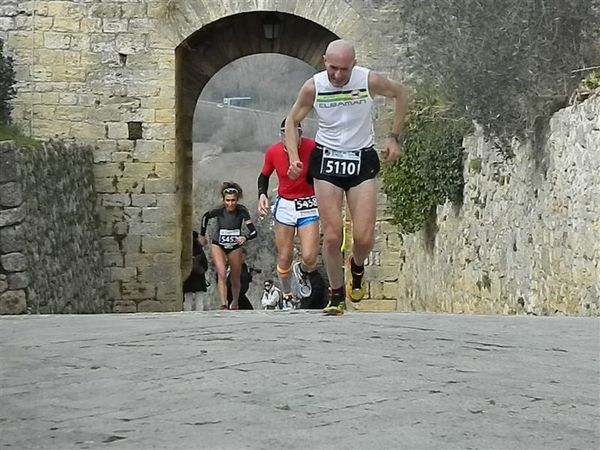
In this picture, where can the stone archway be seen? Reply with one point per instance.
(214, 46)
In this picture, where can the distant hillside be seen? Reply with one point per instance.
(270, 80)
(210, 163)
(237, 129)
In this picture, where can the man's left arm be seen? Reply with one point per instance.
(379, 85)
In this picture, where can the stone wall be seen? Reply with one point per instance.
(124, 77)
(527, 238)
(50, 254)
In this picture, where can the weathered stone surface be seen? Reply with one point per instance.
(8, 166)
(12, 216)
(526, 239)
(10, 195)
(150, 306)
(50, 245)
(414, 381)
(120, 306)
(3, 283)
(13, 302)
(13, 262)
(12, 238)
(18, 280)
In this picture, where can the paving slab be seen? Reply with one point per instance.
(299, 380)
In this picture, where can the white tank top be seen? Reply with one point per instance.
(344, 113)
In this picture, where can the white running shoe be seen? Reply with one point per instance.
(304, 285)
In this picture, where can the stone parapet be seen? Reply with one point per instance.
(527, 238)
(50, 253)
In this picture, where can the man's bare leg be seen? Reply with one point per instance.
(362, 202)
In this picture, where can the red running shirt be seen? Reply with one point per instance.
(276, 159)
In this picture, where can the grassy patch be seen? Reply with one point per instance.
(12, 133)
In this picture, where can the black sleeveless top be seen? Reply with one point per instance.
(229, 225)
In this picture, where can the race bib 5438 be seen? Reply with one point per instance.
(305, 203)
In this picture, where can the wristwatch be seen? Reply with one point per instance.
(394, 136)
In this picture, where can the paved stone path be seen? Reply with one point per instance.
(297, 380)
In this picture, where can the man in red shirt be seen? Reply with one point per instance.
(294, 209)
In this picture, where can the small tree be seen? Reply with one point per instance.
(7, 89)
(430, 171)
(509, 65)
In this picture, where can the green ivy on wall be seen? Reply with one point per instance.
(7, 89)
(430, 169)
(13, 133)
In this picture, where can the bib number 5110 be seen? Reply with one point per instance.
(340, 164)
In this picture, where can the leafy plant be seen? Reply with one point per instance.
(592, 81)
(508, 65)
(7, 89)
(430, 170)
(12, 133)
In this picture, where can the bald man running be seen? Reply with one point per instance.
(344, 163)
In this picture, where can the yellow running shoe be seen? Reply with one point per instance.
(336, 306)
(334, 310)
(356, 294)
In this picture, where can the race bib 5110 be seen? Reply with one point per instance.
(340, 164)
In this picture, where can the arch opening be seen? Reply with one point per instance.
(199, 57)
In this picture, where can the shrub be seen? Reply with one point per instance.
(7, 90)
(508, 64)
(430, 170)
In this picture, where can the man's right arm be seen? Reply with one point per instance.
(263, 195)
(263, 185)
(300, 109)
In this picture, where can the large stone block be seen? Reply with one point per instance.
(150, 306)
(158, 244)
(143, 200)
(65, 24)
(10, 195)
(117, 130)
(138, 291)
(3, 283)
(129, 185)
(8, 167)
(12, 238)
(7, 23)
(158, 214)
(125, 274)
(18, 280)
(151, 151)
(54, 40)
(51, 57)
(14, 262)
(13, 302)
(90, 25)
(165, 115)
(139, 260)
(168, 291)
(159, 185)
(124, 306)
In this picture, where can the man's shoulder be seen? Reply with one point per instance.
(274, 148)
